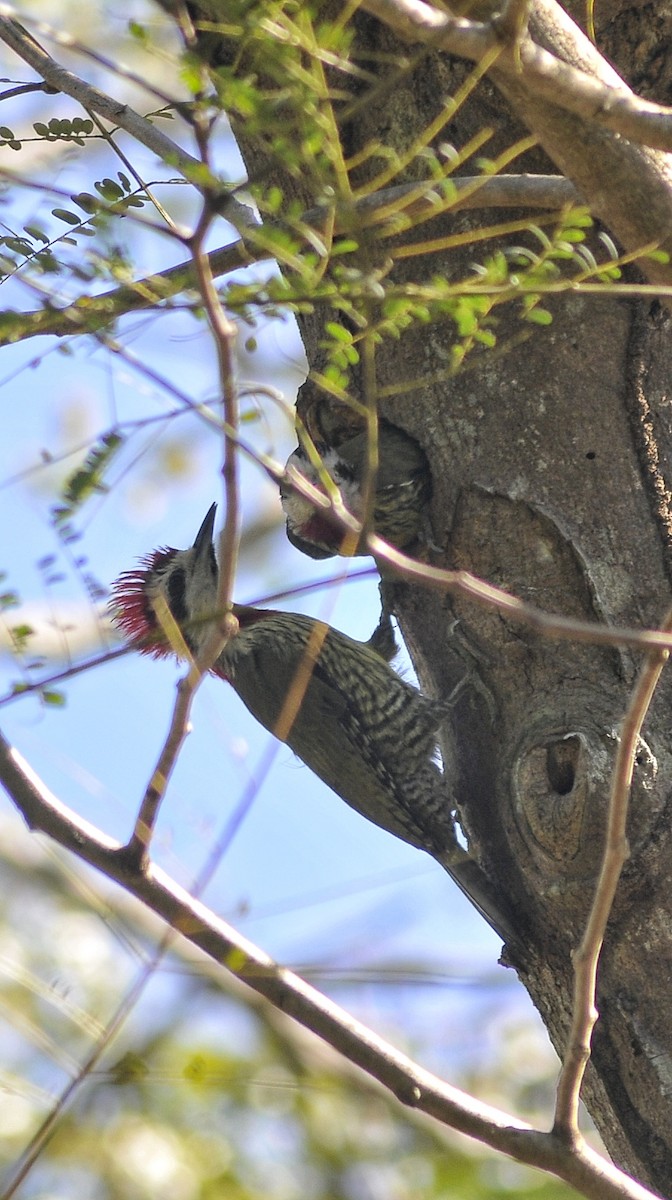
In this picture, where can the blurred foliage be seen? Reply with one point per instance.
(204, 1091)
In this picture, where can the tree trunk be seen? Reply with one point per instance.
(550, 468)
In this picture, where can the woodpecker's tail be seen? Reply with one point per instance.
(472, 880)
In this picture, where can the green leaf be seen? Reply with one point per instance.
(138, 31)
(82, 125)
(87, 202)
(64, 215)
(36, 233)
(88, 478)
(345, 246)
(580, 217)
(18, 245)
(22, 632)
(539, 316)
(659, 256)
(338, 332)
(109, 190)
(486, 338)
(129, 1069)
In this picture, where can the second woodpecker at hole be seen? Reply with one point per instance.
(399, 505)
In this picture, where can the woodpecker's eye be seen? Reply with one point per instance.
(176, 596)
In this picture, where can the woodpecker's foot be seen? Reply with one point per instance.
(383, 639)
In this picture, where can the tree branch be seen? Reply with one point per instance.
(121, 115)
(415, 21)
(593, 126)
(419, 202)
(610, 103)
(224, 334)
(552, 625)
(587, 956)
(590, 1174)
(61, 80)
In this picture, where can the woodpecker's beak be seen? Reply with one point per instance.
(203, 544)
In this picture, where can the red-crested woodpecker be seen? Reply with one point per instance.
(402, 492)
(368, 734)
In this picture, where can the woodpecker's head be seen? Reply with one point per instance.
(317, 531)
(399, 505)
(187, 580)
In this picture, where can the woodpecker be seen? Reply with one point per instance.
(368, 734)
(402, 492)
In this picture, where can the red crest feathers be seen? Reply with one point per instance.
(131, 608)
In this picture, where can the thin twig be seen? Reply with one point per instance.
(138, 845)
(120, 114)
(62, 80)
(109, 136)
(463, 583)
(224, 333)
(586, 957)
(512, 21)
(64, 39)
(586, 1171)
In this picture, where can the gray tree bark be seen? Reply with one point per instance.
(550, 468)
